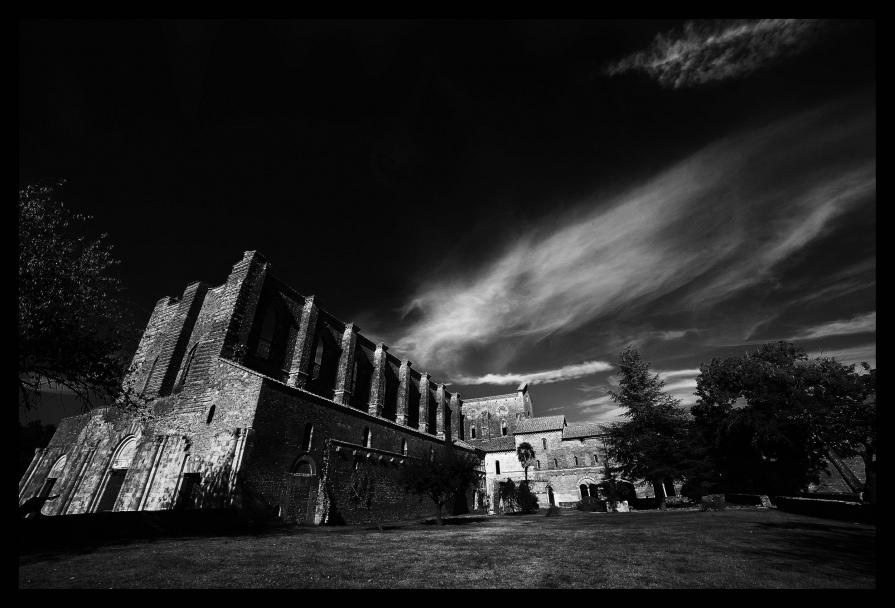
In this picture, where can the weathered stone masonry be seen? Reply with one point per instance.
(259, 395)
(262, 399)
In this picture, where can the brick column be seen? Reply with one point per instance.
(302, 356)
(377, 384)
(441, 406)
(456, 426)
(403, 392)
(424, 402)
(345, 377)
(239, 301)
(176, 340)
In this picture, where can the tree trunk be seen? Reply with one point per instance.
(659, 490)
(869, 494)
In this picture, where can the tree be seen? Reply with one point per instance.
(444, 477)
(765, 421)
(526, 455)
(507, 492)
(73, 331)
(651, 443)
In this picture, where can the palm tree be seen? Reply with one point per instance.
(526, 455)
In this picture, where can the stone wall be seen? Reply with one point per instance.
(355, 457)
(183, 436)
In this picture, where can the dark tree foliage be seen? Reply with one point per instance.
(652, 443)
(525, 499)
(444, 478)
(32, 436)
(506, 490)
(73, 330)
(526, 455)
(764, 421)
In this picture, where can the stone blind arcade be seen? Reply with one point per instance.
(260, 396)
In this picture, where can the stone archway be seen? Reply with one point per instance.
(115, 474)
(300, 502)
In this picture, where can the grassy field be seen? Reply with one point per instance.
(648, 549)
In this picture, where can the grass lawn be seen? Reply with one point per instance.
(682, 549)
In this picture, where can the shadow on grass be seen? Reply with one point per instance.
(455, 521)
(848, 548)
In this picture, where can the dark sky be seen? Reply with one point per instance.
(493, 199)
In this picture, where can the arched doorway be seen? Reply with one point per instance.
(584, 492)
(121, 462)
(301, 491)
(550, 496)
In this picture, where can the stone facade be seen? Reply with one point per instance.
(261, 398)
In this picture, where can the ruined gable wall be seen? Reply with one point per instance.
(179, 428)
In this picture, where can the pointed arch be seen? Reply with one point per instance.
(113, 480)
(185, 372)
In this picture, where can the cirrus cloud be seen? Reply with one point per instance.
(704, 53)
(701, 232)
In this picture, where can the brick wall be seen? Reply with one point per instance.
(354, 483)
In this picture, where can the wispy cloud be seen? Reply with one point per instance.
(677, 373)
(703, 231)
(567, 372)
(856, 325)
(704, 53)
(855, 354)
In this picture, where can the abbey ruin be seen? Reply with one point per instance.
(253, 386)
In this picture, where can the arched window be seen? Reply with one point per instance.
(368, 438)
(186, 369)
(308, 437)
(503, 428)
(304, 467)
(539, 464)
(583, 488)
(53, 476)
(497, 467)
(576, 461)
(472, 430)
(595, 459)
(149, 375)
(544, 440)
(56, 471)
(121, 462)
(404, 447)
(556, 463)
(318, 360)
(210, 416)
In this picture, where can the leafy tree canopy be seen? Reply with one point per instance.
(444, 477)
(73, 331)
(765, 420)
(526, 455)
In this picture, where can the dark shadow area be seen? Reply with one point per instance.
(830, 509)
(456, 521)
(801, 525)
(850, 548)
(86, 532)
